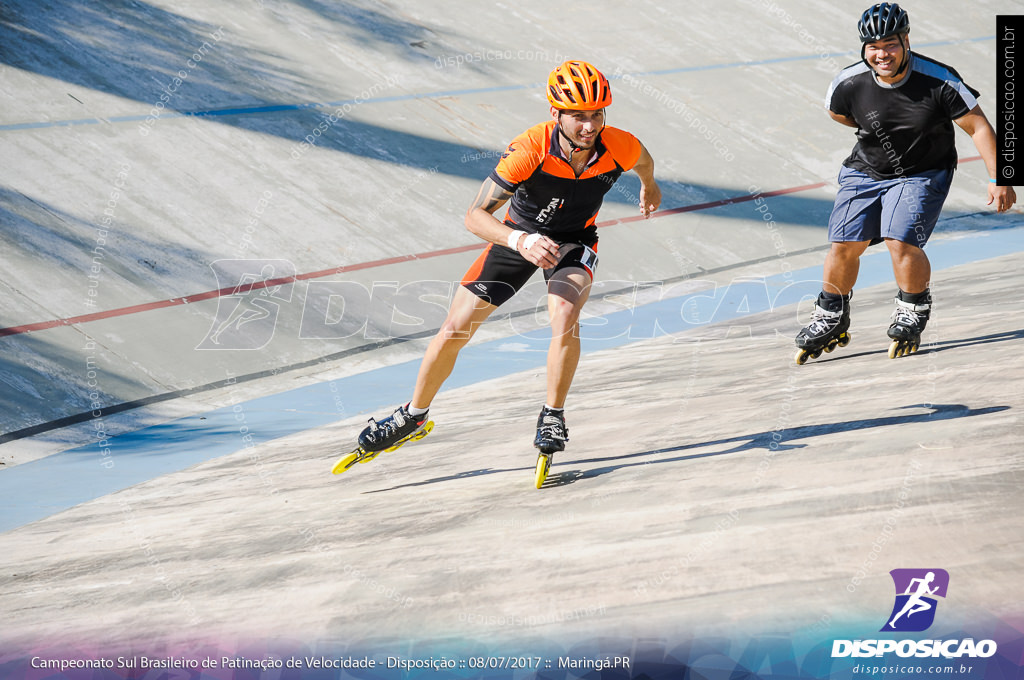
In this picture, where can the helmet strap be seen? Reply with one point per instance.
(906, 55)
(572, 145)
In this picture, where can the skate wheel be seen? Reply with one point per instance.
(902, 348)
(843, 339)
(347, 461)
(801, 357)
(543, 465)
(832, 344)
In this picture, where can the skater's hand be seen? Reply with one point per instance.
(1003, 197)
(650, 197)
(650, 192)
(543, 252)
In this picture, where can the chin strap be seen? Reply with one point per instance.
(906, 56)
(572, 144)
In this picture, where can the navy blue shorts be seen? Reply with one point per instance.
(905, 209)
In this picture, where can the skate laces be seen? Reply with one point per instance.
(390, 425)
(822, 320)
(553, 427)
(907, 314)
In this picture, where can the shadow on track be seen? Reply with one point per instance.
(930, 347)
(760, 440)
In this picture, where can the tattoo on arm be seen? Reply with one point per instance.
(490, 197)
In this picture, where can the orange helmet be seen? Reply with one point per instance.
(579, 86)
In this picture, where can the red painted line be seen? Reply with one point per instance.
(714, 204)
(208, 295)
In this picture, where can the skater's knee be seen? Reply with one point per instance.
(564, 318)
(848, 250)
(903, 249)
(456, 332)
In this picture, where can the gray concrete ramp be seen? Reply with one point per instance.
(711, 486)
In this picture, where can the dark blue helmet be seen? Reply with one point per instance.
(882, 21)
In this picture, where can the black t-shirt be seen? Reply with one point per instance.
(906, 128)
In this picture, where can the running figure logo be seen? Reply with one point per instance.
(914, 609)
(247, 311)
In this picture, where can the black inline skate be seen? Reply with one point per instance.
(827, 330)
(551, 437)
(908, 321)
(385, 436)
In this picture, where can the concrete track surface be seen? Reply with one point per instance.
(712, 489)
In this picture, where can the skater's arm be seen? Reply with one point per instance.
(650, 192)
(984, 137)
(480, 220)
(845, 120)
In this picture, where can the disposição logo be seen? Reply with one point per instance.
(912, 612)
(916, 590)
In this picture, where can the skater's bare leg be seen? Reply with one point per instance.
(464, 317)
(910, 265)
(568, 291)
(842, 264)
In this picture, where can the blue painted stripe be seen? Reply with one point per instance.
(806, 57)
(277, 108)
(41, 488)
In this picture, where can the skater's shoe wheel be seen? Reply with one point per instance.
(901, 348)
(543, 465)
(803, 355)
(347, 461)
(841, 340)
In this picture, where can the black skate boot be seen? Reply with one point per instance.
(908, 321)
(391, 432)
(551, 431)
(827, 330)
(552, 434)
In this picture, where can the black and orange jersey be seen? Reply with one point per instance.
(547, 197)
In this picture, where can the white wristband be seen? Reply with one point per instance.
(513, 239)
(530, 240)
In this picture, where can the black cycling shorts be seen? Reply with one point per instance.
(500, 272)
